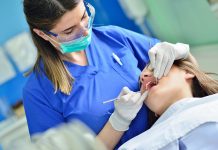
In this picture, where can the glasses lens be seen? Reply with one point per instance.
(79, 31)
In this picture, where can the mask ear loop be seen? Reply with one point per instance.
(54, 42)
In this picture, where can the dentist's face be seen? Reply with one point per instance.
(168, 89)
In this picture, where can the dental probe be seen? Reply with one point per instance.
(111, 100)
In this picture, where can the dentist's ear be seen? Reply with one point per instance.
(41, 34)
(46, 37)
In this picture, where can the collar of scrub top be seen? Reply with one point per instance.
(81, 70)
(77, 69)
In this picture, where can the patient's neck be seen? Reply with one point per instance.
(175, 98)
(183, 94)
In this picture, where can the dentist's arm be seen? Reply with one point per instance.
(126, 109)
(109, 136)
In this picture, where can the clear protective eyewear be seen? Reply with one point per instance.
(78, 32)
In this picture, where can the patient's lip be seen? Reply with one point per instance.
(149, 85)
(148, 82)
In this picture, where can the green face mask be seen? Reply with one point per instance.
(76, 45)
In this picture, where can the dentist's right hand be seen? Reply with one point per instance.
(126, 108)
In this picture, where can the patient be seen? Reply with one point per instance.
(185, 105)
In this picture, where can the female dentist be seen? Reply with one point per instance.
(79, 67)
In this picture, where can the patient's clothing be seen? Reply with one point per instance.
(187, 124)
(203, 137)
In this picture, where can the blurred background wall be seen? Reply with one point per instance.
(12, 19)
(11, 80)
(188, 21)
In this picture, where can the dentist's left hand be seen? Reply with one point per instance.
(126, 108)
(163, 54)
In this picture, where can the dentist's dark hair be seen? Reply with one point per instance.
(44, 15)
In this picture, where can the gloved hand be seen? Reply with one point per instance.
(126, 108)
(162, 56)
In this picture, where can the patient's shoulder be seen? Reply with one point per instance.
(202, 137)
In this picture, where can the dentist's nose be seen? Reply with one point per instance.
(83, 29)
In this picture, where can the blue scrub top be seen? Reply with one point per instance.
(102, 79)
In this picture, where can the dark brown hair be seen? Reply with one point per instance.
(44, 15)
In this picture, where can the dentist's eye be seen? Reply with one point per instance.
(69, 32)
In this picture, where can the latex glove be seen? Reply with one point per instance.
(126, 108)
(162, 56)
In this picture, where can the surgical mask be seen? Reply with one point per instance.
(76, 45)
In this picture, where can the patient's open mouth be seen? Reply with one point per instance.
(150, 84)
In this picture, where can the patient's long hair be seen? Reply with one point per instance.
(202, 84)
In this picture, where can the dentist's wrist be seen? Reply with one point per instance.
(118, 122)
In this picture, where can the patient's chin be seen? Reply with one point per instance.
(153, 104)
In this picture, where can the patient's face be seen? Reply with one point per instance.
(169, 89)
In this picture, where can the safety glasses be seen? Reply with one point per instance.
(78, 31)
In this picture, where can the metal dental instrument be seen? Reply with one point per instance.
(156, 81)
(146, 86)
(111, 100)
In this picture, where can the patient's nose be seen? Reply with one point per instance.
(145, 78)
